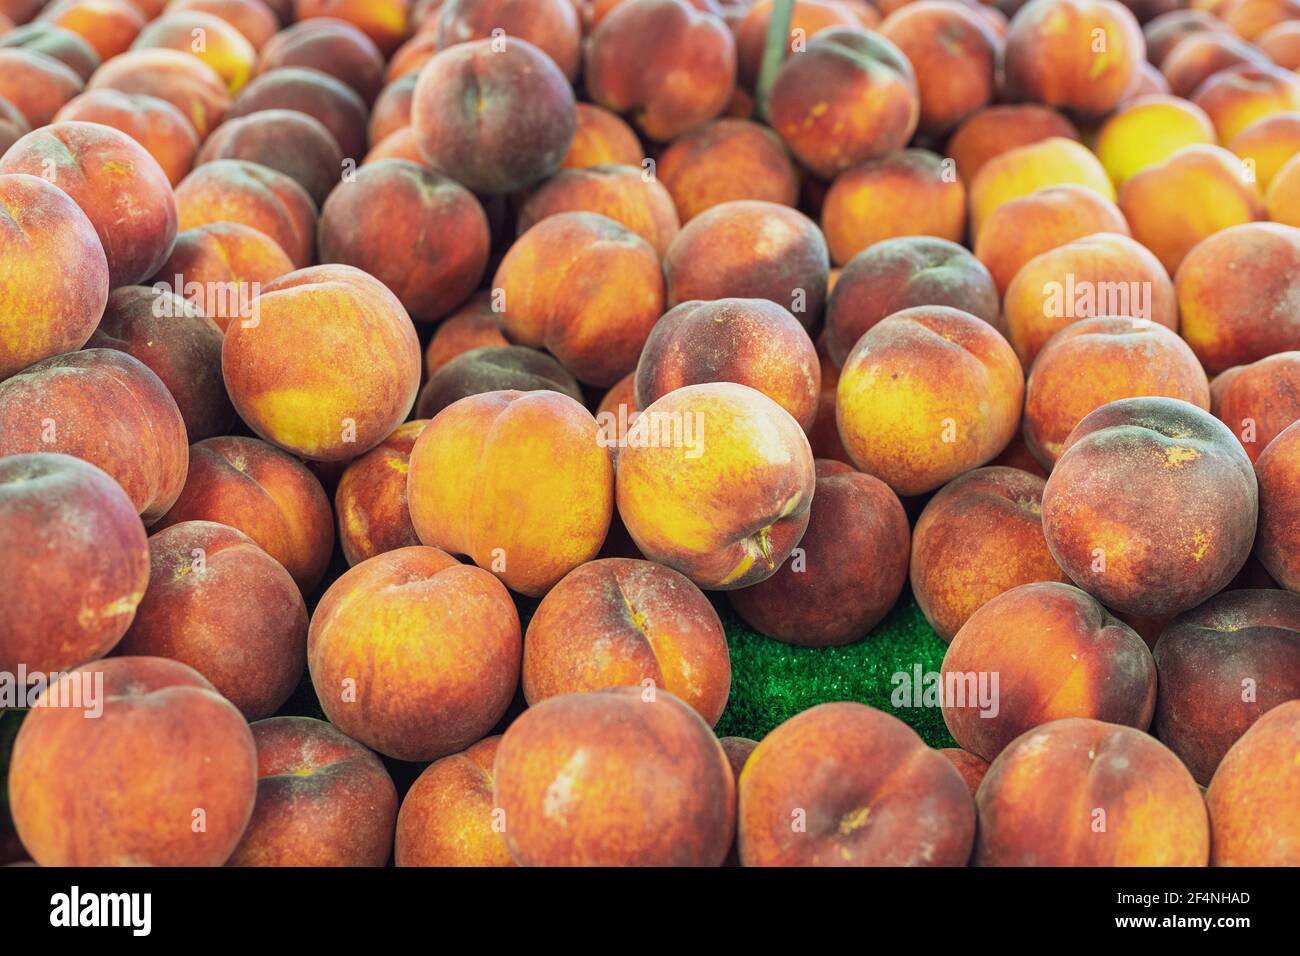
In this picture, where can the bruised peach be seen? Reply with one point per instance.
(182, 80)
(224, 48)
(600, 138)
(724, 161)
(1055, 161)
(620, 192)
(1278, 545)
(995, 130)
(474, 325)
(332, 46)
(110, 26)
(494, 369)
(371, 498)
(1258, 401)
(550, 25)
(155, 124)
(449, 817)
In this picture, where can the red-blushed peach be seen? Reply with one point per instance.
(474, 325)
(415, 654)
(1282, 44)
(600, 138)
(76, 562)
(220, 604)
(171, 806)
(1250, 18)
(1095, 361)
(180, 345)
(618, 777)
(824, 434)
(584, 287)
(494, 369)
(1054, 161)
(1082, 792)
(223, 47)
(371, 498)
(550, 25)
(954, 52)
(1258, 401)
(619, 622)
(847, 571)
(105, 407)
(53, 272)
(254, 20)
(926, 394)
(1202, 54)
(1177, 542)
(328, 410)
(491, 471)
(1236, 294)
(1253, 797)
(449, 817)
(499, 146)
(36, 84)
(331, 46)
(1267, 144)
(109, 26)
(751, 250)
(715, 480)
(980, 536)
(687, 82)
(392, 110)
(54, 41)
(849, 97)
(155, 124)
(420, 233)
(326, 99)
(1166, 31)
(185, 81)
(265, 493)
(1239, 96)
(971, 767)
(286, 140)
(725, 161)
(902, 273)
(845, 785)
(383, 21)
(621, 193)
(1106, 274)
(220, 268)
(1278, 544)
(995, 130)
(118, 185)
(322, 799)
(807, 17)
(409, 58)
(912, 192)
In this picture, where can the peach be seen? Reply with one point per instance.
(391, 112)
(185, 81)
(600, 138)
(874, 110)
(1095, 361)
(1054, 161)
(751, 250)
(916, 427)
(54, 41)
(995, 130)
(415, 654)
(1282, 44)
(332, 46)
(687, 82)
(971, 767)
(370, 501)
(1241, 95)
(220, 604)
(155, 124)
(323, 410)
(383, 21)
(1258, 401)
(44, 234)
(326, 99)
(223, 47)
(909, 193)
(899, 274)
(449, 818)
(67, 769)
(1170, 28)
(620, 192)
(474, 325)
(110, 26)
(1202, 54)
(1148, 130)
(807, 17)
(37, 85)
(255, 21)
(322, 799)
(1250, 18)
(845, 785)
(495, 369)
(724, 161)
(824, 434)
(500, 146)
(13, 125)
(76, 562)
(550, 25)
(1179, 540)
(1278, 545)
(1283, 199)
(1252, 798)
(288, 141)
(637, 781)
(409, 58)
(847, 572)
(1081, 792)
(624, 623)
(105, 407)
(584, 287)
(1267, 144)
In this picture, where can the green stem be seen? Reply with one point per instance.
(774, 50)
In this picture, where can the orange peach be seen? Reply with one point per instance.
(110, 26)
(807, 17)
(1258, 401)
(332, 46)
(1267, 144)
(1148, 130)
(391, 112)
(474, 325)
(1054, 161)
(326, 99)
(370, 501)
(600, 138)
(550, 25)
(1202, 54)
(155, 124)
(1283, 197)
(1241, 95)
(494, 369)
(409, 58)
(1170, 28)
(995, 130)
(185, 81)
(1282, 44)
(824, 434)
(255, 21)
(1278, 544)
(210, 38)
(37, 85)
(724, 161)
(622, 193)
(1250, 18)
(383, 21)
(971, 767)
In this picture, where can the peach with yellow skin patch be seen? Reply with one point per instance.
(225, 49)
(185, 81)
(1268, 143)
(1054, 161)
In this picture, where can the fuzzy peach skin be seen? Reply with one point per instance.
(328, 365)
(751, 250)
(600, 138)
(585, 288)
(220, 604)
(1152, 506)
(332, 46)
(1236, 293)
(724, 161)
(449, 817)
(971, 767)
(715, 481)
(550, 25)
(1278, 544)
(495, 369)
(1055, 161)
(995, 130)
(109, 26)
(322, 799)
(1222, 665)
(492, 470)
(370, 500)
(687, 82)
(420, 233)
(911, 192)
(926, 394)
(1055, 652)
(622, 193)
(265, 493)
(69, 769)
(847, 572)
(619, 622)
(752, 342)
(1095, 361)
(37, 85)
(53, 272)
(185, 81)
(328, 100)
(979, 536)
(54, 41)
(224, 49)
(864, 788)
(154, 123)
(1254, 794)
(105, 407)
(1268, 143)
(118, 185)
(254, 20)
(1240, 95)
(415, 654)
(617, 777)
(902, 273)
(807, 17)
(76, 562)
(1258, 401)
(1082, 792)
(286, 140)
(383, 21)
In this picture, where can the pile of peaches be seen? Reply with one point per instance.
(332, 332)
